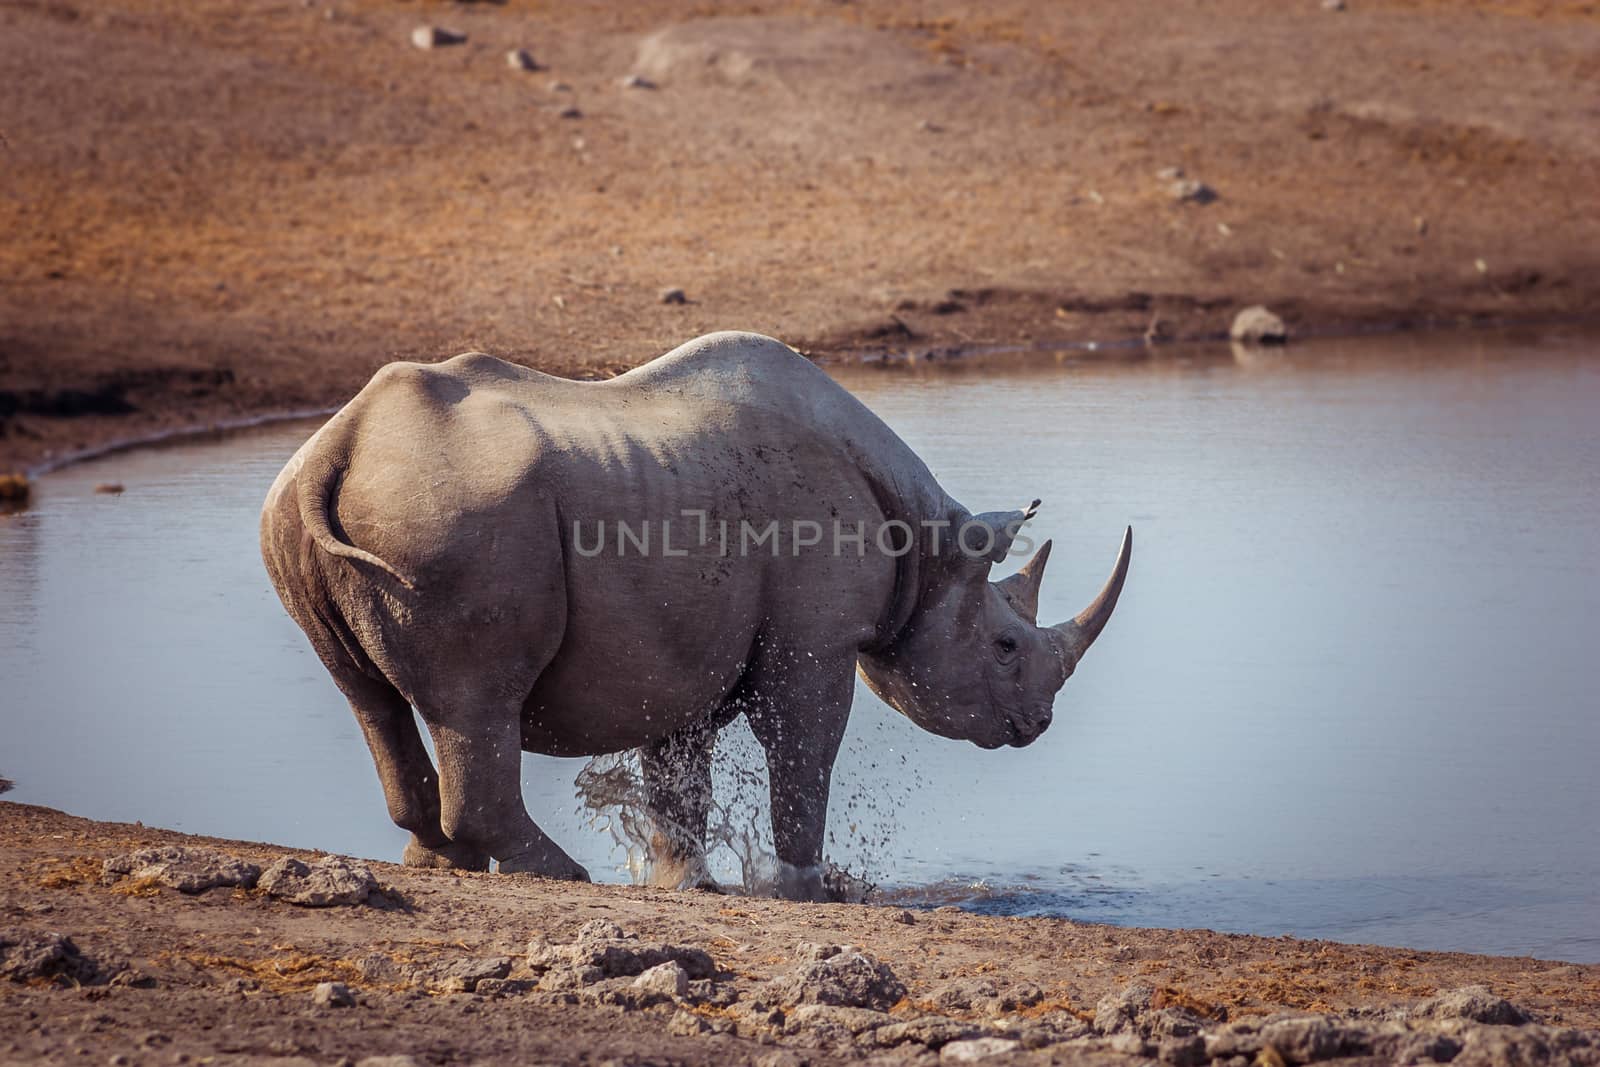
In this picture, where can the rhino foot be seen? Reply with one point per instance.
(545, 865)
(452, 856)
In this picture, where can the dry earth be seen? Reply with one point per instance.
(213, 209)
(228, 976)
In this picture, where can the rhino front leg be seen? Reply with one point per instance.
(480, 793)
(799, 723)
(677, 781)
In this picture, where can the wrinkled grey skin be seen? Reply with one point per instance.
(423, 540)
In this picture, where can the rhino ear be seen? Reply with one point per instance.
(987, 538)
(1021, 589)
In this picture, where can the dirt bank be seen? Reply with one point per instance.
(214, 209)
(469, 968)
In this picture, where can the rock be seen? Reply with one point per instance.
(460, 976)
(15, 488)
(333, 995)
(1169, 174)
(1172, 1022)
(389, 1061)
(521, 59)
(602, 950)
(1191, 191)
(1258, 326)
(634, 81)
(848, 1021)
(1474, 1003)
(812, 951)
(934, 1031)
(687, 1024)
(7, 785)
(673, 295)
(28, 956)
(559, 87)
(188, 870)
(977, 1048)
(329, 882)
(571, 111)
(110, 488)
(1311, 1038)
(669, 979)
(1182, 1051)
(905, 917)
(849, 979)
(429, 37)
(1118, 1012)
(1333, 5)
(504, 987)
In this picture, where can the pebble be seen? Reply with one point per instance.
(977, 1048)
(110, 488)
(521, 59)
(429, 37)
(633, 81)
(1258, 326)
(1191, 191)
(673, 295)
(333, 995)
(667, 978)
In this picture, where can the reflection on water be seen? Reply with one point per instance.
(1346, 693)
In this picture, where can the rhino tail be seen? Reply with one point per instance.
(316, 483)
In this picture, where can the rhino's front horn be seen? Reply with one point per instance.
(1081, 631)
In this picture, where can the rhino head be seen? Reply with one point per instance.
(972, 663)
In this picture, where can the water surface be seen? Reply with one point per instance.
(1347, 693)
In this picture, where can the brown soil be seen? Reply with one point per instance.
(214, 210)
(228, 973)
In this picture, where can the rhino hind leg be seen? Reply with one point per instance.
(410, 783)
(480, 790)
(677, 781)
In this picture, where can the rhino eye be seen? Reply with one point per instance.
(1006, 646)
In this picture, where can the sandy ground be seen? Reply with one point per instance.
(228, 975)
(214, 209)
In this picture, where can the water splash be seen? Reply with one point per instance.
(739, 850)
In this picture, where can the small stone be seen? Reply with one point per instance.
(633, 81)
(110, 488)
(27, 956)
(1258, 326)
(1474, 1003)
(333, 995)
(668, 979)
(521, 59)
(977, 1048)
(905, 917)
(927, 126)
(329, 882)
(1191, 191)
(188, 870)
(1169, 174)
(1333, 5)
(1182, 1051)
(571, 111)
(673, 295)
(389, 1061)
(686, 1024)
(429, 37)
(559, 87)
(1118, 1012)
(850, 979)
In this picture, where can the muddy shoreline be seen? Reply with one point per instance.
(472, 968)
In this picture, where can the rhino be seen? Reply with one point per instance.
(587, 567)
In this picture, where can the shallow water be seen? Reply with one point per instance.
(1347, 693)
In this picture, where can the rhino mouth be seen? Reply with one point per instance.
(1024, 730)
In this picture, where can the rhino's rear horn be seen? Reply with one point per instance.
(1081, 631)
